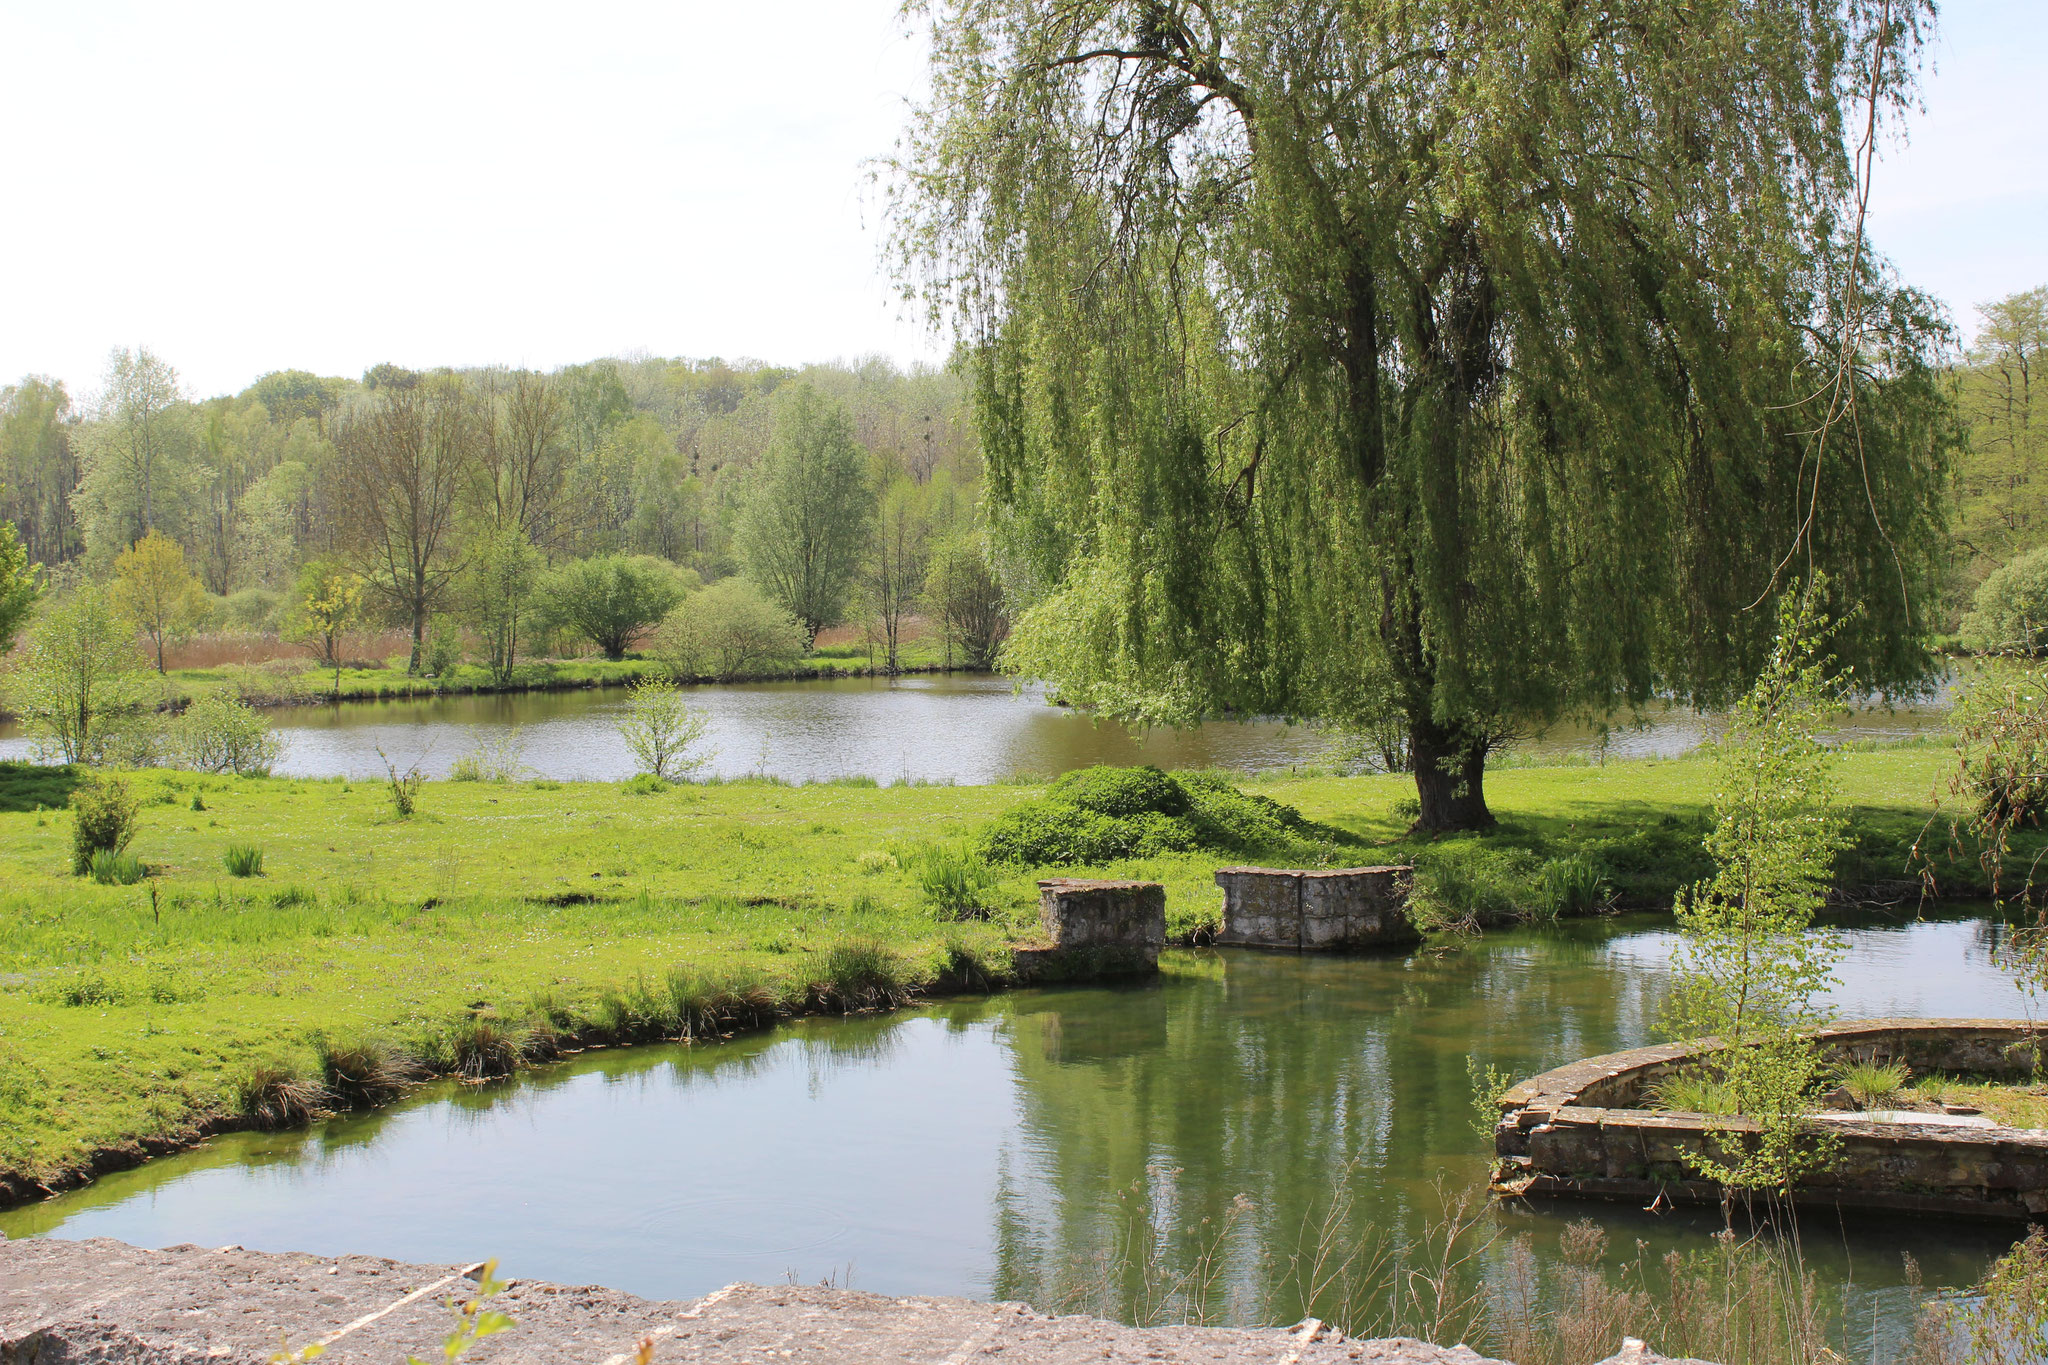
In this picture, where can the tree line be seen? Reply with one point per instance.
(517, 509)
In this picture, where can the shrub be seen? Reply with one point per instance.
(2010, 611)
(661, 729)
(729, 630)
(1121, 792)
(403, 787)
(1098, 815)
(643, 784)
(242, 860)
(221, 734)
(275, 1094)
(117, 869)
(104, 822)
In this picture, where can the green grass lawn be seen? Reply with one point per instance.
(128, 1012)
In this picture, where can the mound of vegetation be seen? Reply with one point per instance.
(1100, 815)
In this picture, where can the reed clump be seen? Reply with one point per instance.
(483, 1045)
(861, 974)
(242, 860)
(276, 1093)
(361, 1070)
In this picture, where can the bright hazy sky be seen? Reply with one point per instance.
(248, 187)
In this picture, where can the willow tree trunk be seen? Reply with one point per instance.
(1450, 776)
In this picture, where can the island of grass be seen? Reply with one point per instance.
(504, 920)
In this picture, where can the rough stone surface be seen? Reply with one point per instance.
(1575, 1132)
(1102, 914)
(1320, 910)
(102, 1302)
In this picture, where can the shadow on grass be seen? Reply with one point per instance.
(33, 786)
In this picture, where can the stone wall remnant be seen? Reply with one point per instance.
(1096, 928)
(1578, 1131)
(1316, 910)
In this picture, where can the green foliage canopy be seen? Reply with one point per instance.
(1459, 361)
(807, 524)
(611, 599)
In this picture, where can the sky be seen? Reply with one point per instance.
(250, 187)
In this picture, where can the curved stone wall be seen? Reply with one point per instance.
(1577, 1131)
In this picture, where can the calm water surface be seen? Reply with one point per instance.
(998, 1147)
(926, 728)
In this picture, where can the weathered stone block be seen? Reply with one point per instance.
(1321, 910)
(1079, 914)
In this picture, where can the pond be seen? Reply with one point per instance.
(1011, 1146)
(924, 728)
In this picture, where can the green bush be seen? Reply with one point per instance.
(1100, 815)
(220, 734)
(105, 820)
(2010, 611)
(643, 784)
(112, 868)
(1121, 792)
(242, 860)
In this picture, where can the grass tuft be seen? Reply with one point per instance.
(862, 974)
(242, 860)
(117, 868)
(1872, 1084)
(361, 1070)
(482, 1045)
(273, 1093)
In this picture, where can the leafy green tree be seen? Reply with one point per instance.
(892, 575)
(403, 456)
(157, 591)
(327, 602)
(1477, 346)
(79, 679)
(499, 590)
(38, 468)
(965, 599)
(19, 584)
(138, 458)
(612, 599)
(809, 510)
(729, 630)
(2002, 477)
(1750, 969)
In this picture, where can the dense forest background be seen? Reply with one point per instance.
(519, 514)
(488, 503)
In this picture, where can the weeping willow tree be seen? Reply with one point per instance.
(1467, 365)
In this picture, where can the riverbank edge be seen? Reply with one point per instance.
(1032, 965)
(430, 690)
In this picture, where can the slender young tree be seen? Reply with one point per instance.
(1467, 357)
(892, 574)
(808, 515)
(157, 591)
(403, 456)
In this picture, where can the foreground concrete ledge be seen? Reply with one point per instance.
(101, 1301)
(1578, 1131)
(1332, 909)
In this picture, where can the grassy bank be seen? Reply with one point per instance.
(288, 682)
(551, 912)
